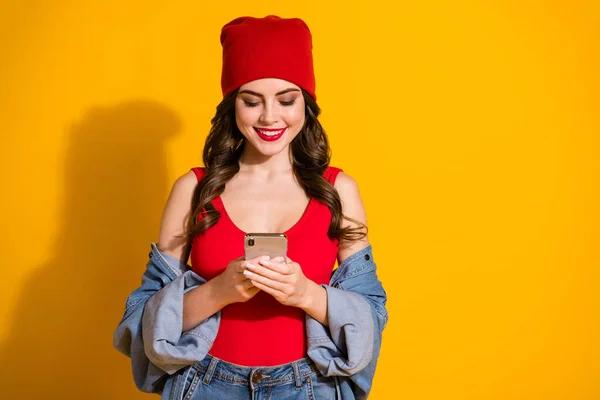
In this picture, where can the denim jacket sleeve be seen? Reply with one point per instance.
(150, 332)
(349, 347)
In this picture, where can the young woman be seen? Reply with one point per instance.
(266, 170)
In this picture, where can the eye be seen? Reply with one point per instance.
(249, 104)
(287, 103)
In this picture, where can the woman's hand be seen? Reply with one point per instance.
(232, 286)
(287, 284)
(284, 281)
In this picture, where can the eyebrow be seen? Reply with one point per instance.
(276, 94)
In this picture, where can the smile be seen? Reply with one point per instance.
(269, 134)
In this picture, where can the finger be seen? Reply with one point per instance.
(268, 273)
(282, 268)
(254, 261)
(247, 266)
(257, 260)
(247, 285)
(263, 280)
(253, 290)
(274, 292)
(242, 266)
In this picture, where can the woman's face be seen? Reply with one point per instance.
(270, 113)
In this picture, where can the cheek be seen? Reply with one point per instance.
(244, 116)
(295, 116)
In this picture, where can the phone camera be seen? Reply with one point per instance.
(250, 242)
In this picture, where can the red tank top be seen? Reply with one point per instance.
(262, 331)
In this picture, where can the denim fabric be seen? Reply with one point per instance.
(150, 331)
(212, 378)
(356, 278)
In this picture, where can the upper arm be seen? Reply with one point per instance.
(176, 213)
(352, 207)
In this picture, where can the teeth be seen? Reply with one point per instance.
(270, 133)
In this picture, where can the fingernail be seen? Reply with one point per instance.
(278, 259)
(251, 266)
(247, 273)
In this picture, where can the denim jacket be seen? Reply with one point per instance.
(150, 332)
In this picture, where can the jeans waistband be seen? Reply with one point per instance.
(294, 371)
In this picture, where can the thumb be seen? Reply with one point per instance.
(240, 265)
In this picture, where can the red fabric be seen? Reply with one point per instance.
(269, 47)
(262, 331)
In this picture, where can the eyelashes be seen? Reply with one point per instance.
(283, 103)
(287, 103)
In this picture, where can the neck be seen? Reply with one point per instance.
(253, 161)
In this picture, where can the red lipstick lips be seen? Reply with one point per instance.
(270, 134)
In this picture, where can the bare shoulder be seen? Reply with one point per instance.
(353, 208)
(175, 215)
(352, 204)
(346, 185)
(186, 182)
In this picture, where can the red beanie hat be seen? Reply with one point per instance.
(269, 47)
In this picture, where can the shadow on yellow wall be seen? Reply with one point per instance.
(60, 346)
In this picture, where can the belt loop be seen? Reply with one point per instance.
(297, 375)
(210, 370)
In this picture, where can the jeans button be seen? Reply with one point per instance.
(367, 257)
(257, 377)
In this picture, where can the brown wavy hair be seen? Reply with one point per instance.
(310, 154)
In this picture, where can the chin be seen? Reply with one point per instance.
(271, 152)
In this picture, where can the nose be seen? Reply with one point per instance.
(269, 115)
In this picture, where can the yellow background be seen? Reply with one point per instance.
(472, 128)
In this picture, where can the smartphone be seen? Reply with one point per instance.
(265, 244)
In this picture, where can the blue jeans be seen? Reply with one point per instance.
(213, 378)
